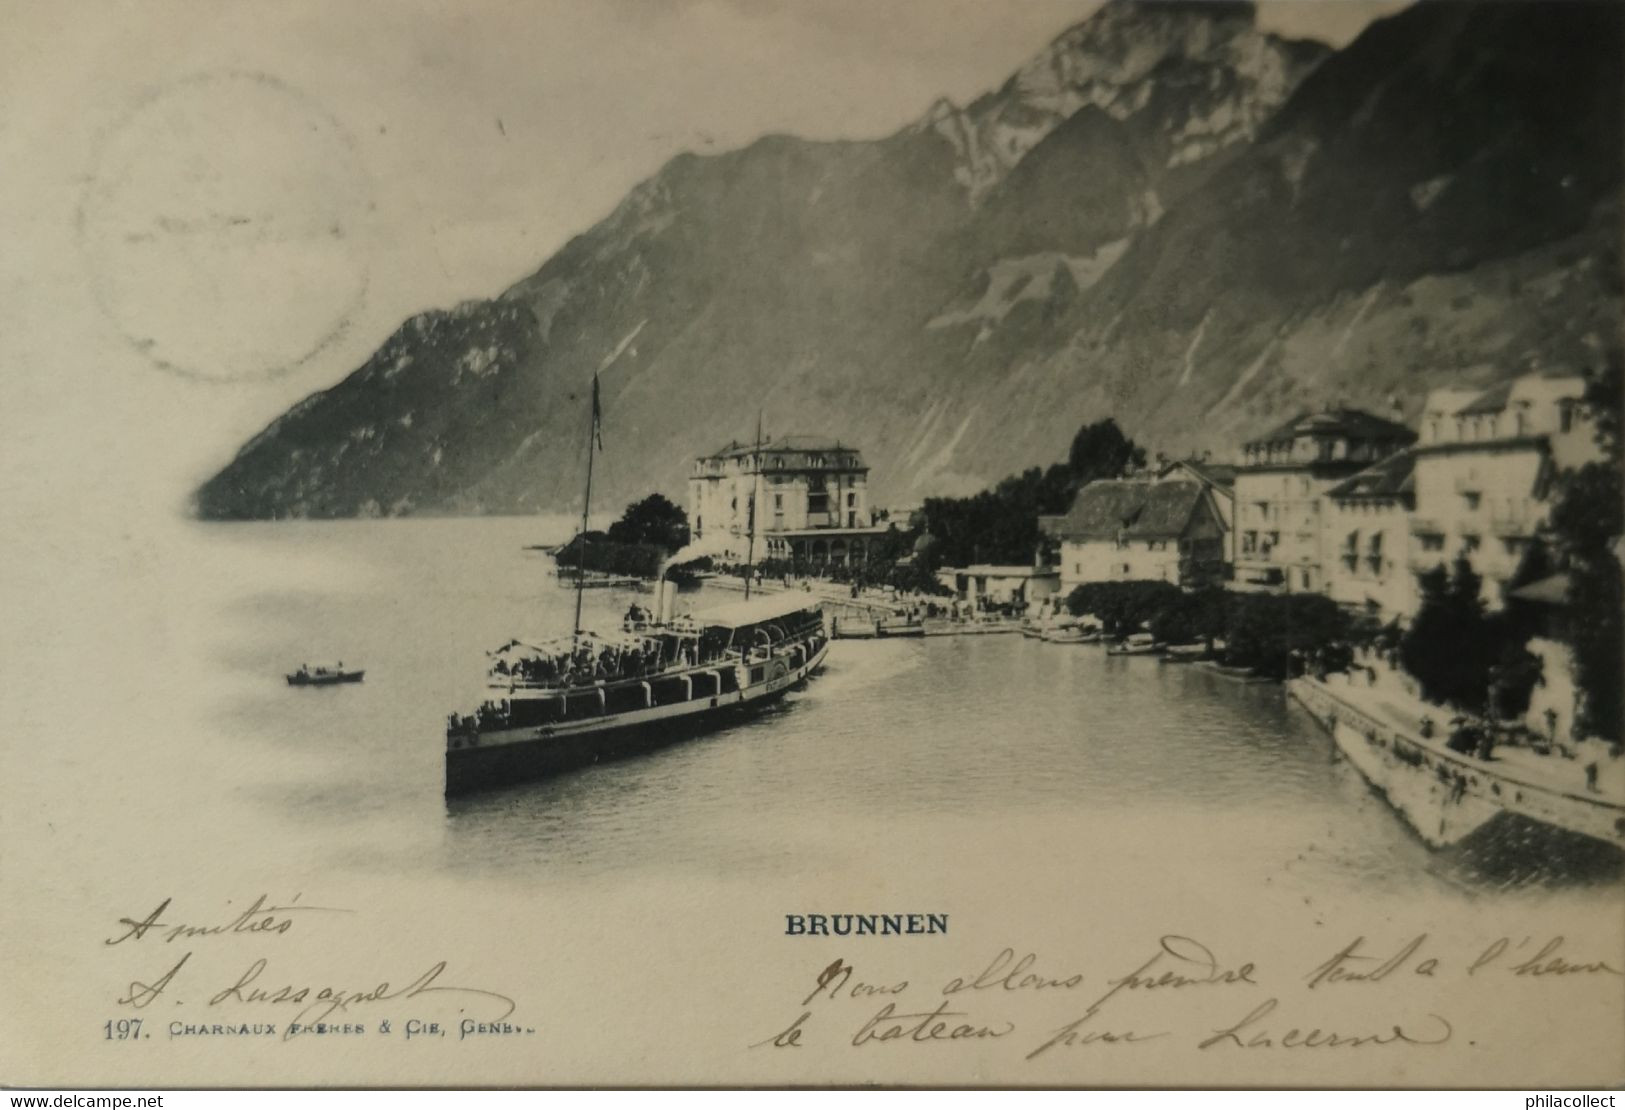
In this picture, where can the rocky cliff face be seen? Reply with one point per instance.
(1186, 80)
(1167, 216)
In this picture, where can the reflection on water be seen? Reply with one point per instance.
(899, 746)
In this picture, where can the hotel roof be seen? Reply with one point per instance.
(1130, 508)
(788, 443)
(1392, 477)
(1355, 423)
(1491, 400)
(1222, 475)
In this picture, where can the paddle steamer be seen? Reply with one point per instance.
(572, 701)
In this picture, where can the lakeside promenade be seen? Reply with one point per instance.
(1447, 795)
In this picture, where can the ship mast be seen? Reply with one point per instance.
(594, 440)
(755, 498)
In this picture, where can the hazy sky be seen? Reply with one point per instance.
(229, 187)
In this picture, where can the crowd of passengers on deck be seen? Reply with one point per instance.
(587, 663)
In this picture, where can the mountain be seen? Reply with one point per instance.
(1167, 216)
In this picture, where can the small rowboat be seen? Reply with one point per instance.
(307, 675)
(1141, 643)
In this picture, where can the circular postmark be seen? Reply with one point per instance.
(220, 227)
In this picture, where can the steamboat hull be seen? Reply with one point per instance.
(1444, 795)
(509, 757)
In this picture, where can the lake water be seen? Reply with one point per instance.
(1022, 745)
(1047, 798)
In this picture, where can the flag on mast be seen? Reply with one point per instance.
(597, 416)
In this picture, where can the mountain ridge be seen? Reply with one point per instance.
(1353, 236)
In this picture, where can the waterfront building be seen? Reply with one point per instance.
(805, 497)
(1365, 540)
(1001, 585)
(1485, 470)
(1219, 478)
(1279, 486)
(1140, 529)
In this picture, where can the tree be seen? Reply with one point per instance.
(1265, 630)
(1586, 523)
(1124, 608)
(1000, 525)
(1101, 450)
(1463, 655)
(654, 520)
(1191, 618)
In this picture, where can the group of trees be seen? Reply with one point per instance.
(637, 560)
(1000, 525)
(1124, 608)
(1262, 632)
(1586, 524)
(636, 544)
(653, 521)
(1464, 655)
(1479, 661)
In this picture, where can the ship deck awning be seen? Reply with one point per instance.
(755, 611)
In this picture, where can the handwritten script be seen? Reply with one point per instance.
(261, 987)
(1177, 991)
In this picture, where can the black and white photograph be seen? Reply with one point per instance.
(812, 543)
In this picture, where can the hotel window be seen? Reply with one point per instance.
(1565, 417)
(851, 500)
(817, 494)
(1470, 543)
(778, 502)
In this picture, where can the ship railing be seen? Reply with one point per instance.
(1432, 753)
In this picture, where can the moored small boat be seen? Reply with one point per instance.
(307, 675)
(1074, 634)
(1140, 643)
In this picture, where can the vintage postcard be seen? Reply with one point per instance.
(809, 542)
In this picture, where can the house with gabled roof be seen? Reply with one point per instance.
(1131, 529)
(1219, 478)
